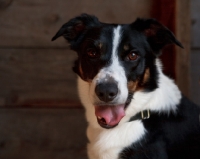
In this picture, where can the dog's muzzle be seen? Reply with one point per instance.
(109, 112)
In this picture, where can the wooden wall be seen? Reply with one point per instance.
(195, 52)
(40, 114)
(183, 26)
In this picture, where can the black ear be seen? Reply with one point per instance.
(157, 34)
(74, 28)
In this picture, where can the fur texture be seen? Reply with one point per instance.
(119, 76)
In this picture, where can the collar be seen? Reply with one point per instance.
(143, 115)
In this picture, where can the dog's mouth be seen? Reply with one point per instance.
(109, 116)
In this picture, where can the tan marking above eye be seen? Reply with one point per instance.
(126, 47)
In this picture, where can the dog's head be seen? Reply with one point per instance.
(115, 61)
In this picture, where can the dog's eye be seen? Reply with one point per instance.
(92, 53)
(132, 56)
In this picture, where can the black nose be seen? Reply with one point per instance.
(106, 91)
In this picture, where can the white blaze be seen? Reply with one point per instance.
(114, 71)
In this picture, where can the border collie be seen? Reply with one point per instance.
(133, 110)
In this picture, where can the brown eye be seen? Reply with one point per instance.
(132, 56)
(92, 53)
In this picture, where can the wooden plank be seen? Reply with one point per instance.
(37, 76)
(165, 13)
(195, 76)
(195, 31)
(176, 16)
(195, 52)
(183, 28)
(27, 23)
(42, 134)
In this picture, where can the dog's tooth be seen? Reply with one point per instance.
(98, 117)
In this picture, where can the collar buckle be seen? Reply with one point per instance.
(145, 114)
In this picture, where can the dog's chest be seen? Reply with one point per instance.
(107, 144)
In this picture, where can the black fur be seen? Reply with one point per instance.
(170, 135)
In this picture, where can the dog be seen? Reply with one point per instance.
(134, 111)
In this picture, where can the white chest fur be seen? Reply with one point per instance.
(108, 143)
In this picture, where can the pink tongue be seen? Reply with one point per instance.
(111, 114)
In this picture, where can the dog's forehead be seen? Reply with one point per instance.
(108, 32)
(126, 35)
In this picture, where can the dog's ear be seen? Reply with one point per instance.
(74, 28)
(157, 34)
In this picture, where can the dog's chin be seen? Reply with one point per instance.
(103, 124)
(109, 116)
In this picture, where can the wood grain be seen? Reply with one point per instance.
(37, 74)
(27, 23)
(183, 28)
(195, 52)
(195, 18)
(165, 13)
(42, 134)
(195, 76)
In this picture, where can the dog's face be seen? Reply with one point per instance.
(115, 61)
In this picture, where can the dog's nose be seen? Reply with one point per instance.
(106, 91)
